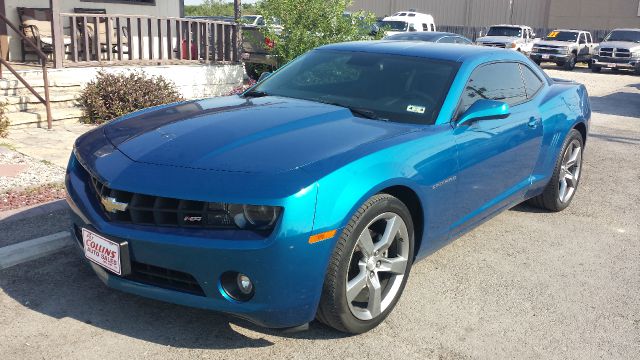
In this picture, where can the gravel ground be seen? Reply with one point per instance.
(526, 285)
(37, 172)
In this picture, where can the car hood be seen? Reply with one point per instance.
(621, 45)
(504, 39)
(555, 43)
(269, 134)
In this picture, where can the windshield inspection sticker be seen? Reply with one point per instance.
(416, 109)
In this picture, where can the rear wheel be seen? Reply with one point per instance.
(369, 267)
(559, 192)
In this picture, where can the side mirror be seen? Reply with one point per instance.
(412, 27)
(264, 75)
(484, 110)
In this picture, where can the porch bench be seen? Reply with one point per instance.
(35, 23)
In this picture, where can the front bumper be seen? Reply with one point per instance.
(542, 57)
(286, 270)
(617, 63)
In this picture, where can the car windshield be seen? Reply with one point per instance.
(570, 36)
(393, 25)
(377, 86)
(248, 19)
(505, 31)
(623, 35)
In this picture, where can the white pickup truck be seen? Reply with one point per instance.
(514, 37)
(565, 48)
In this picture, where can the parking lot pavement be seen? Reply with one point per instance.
(527, 284)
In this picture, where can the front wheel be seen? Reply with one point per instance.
(369, 267)
(559, 192)
(595, 68)
(570, 64)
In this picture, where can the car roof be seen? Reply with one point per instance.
(425, 34)
(511, 25)
(417, 48)
(629, 29)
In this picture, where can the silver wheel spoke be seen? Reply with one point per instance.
(366, 243)
(390, 232)
(563, 189)
(375, 296)
(396, 265)
(573, 159)
(570, 179)
(356, 285)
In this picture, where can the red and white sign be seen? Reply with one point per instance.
(101, 251)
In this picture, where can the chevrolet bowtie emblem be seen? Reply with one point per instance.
(112, 205)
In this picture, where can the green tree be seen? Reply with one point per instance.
(308, 24)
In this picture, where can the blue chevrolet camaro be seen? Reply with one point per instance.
(313, 193)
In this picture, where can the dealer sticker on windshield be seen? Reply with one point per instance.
(416, 109)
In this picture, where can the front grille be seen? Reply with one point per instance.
(623, 53)
(606, 52)
(615, 53)
(161, 211)
(549, 50)
(164, 278)
(494, 44)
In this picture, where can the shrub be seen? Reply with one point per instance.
(4, 121)
(112, 95)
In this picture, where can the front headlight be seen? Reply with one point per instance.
(254, 217)
(635, 55)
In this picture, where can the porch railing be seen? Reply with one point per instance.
(120, 39)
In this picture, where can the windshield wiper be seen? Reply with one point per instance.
(255, 94)
(365, 113)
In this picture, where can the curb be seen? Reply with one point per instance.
(33, 210)
(33, 249)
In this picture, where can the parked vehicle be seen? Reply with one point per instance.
(407, 21)
(435, 37)
(310, 195)
(620, 50)
(514, 37)
(565, 48)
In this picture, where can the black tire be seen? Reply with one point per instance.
(560, 64)
(538, 62)
(334, 309)
(550, 197)
(636, 71)
(596, 68)
(570, 64)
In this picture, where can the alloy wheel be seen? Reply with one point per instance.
(570, 171)
(377, 266)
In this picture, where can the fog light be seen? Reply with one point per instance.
(244, 284)
(236, 286)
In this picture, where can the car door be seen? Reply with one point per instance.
(496, 157)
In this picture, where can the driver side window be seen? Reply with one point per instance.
(485, 84)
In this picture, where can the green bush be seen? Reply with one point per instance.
(112, 95)
(4, 121)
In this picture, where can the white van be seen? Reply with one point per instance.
(406, 21)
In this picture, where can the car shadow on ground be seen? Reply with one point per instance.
(63, 286)
(619, 103)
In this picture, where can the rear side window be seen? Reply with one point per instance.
(425, 27)
(497, 81)
(532, 82)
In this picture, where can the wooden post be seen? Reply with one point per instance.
(58, 40)
(237, 34)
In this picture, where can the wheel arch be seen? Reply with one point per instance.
(412, 201)
(582, 128)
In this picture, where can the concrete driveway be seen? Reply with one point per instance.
(527, 284)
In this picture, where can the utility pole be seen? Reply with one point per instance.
(511, 11)
(237, 34)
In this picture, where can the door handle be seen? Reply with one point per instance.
(534, 122)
